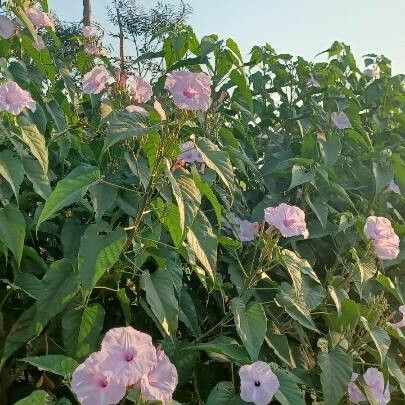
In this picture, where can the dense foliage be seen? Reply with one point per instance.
(105, 222)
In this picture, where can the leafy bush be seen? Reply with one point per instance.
(155, 218)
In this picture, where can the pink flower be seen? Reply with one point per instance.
(383, 236)
(189, 153)
(312, 82)
(14, 99)
(39, 19)
(139, 89)
(158, 108)
(374, 381)
(393, 187)
(372, 71)
(95, 50)
(95, 385)
(39, 44)
(95, 81)
(190, 91)
(7, 27)
(160, 383)
(91, 32)
(401, 323)
(136, 109)
(341, 120)
(244, 230)
(355, 395)
(248, 230)
(288, 219)
(258, 383)
(130, 354)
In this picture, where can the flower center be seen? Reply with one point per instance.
(257, 383)
(189, 92)
(288, 222)
(129, 357)
(103, 382)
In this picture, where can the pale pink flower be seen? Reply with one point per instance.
(388, 248)
(39, 19)
(312, 82)
(189, 153)
(91, 32)
(288, 219)
(341, 120)
(136, 109)
(190, 91)
(378, 228)
(96, 80)
(258, 383)
(7, 27)
(374, 380)
(393, 187)
(95, 50)
(355, 394)
(248, 230)
(39, 43)
(140, 90)
(130, 354)
(401, 323)
(159, 109)
(93, 384)
(160, 383)
(372, 71)
(244, 230)
(14, 99)
(383, 236)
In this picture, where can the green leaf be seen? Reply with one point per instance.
(36, 398)
(289, 392)
(233, 46)
(123, 126)
(223, 394)
(37, 177)
(81, 329)
(54, 363)
(337, 367)
(203, 242)
(11, 168)
(57, 114)
(296, 264)
(69, 190)
(380, 338)
(396, 372)
(29, 284)
(98, 253)
(26, 326)
(218, 161)
(12, 230)
(187, 196)
(330, 147)
(227, 347)
(300, 175)
(102, 197)
(160, 296)
(60, 284)
(295, 306)
(188, 313)
(281, 347)
(382, 175)
(251, 325)
(36, 142)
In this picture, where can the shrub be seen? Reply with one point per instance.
(245, 214)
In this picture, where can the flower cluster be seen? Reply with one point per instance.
(39, 19)
(374, 388)
(92, 44)
(127, 359)
(384, 239)
(340, 120)
(258, 383)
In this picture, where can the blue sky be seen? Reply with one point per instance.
(299, 27)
